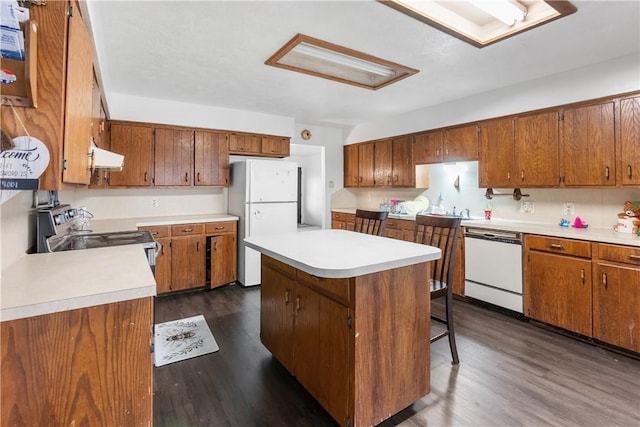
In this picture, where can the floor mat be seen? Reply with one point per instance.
(182, 339)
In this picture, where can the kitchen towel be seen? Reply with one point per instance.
(182, 339)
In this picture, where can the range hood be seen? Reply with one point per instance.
(103, 159)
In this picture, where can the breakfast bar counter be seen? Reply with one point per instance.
(348, 314)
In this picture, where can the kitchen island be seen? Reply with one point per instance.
(348, 314)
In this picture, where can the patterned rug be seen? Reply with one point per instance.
(182, 339)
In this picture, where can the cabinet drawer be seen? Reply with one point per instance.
(341, 216)
(557, 245)
(337, 289)
(186, 229)
(615, 253)
(222, 227)
(156, 230)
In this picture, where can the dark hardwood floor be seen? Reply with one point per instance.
(511, 373)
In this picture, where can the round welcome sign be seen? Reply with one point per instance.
(21, 166)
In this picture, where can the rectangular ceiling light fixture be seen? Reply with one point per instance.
(483, 22)
(319, 58)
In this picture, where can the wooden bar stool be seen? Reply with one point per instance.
(441, 232)
(370, 222)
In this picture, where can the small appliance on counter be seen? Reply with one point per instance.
(60, 228)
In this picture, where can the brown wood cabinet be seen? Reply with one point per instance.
(460, 143)
(587, 145)
(62, 120)
(351, 165)
(275, 146)
(183, 262)
(310, 325)
(90, 366)
(343, 221)
(536, 147)
(366, 165)
(497, 153)
(629, 136)
(173, 157)
(428, 147)
(222, 243)
(557, 284)
(136, 144)
(211, 154)
(403, 167)
(258, 145)
(383, 163)
(616, 296)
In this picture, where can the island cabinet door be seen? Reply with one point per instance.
(321, 350)
(277, 300)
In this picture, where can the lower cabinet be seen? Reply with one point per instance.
(343, 221)
(221, 253)
(589, 288)
(194, 255)
(88, 366)
(616, 296)
(358, 345)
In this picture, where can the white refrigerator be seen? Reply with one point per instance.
(264, 195)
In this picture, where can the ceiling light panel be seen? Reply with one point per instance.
(319, 58)
(483, 22)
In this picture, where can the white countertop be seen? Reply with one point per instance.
(341, 253)
(109, 225)
(47, 283)
(604, 235)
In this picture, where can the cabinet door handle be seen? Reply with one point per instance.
(388, 179)
(634, 257)
(582, 275)
(508, 176)
(555, 246)
(604, 280)
(522, 175)
(286, 296)
(438, 153)
(186, 177)
(629, 174)
(146, 176)
(298, 303)
(198, 246)
(198, 177)
(606, 172)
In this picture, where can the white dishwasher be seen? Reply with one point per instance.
(493, 267)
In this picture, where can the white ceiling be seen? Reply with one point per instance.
(213, 53)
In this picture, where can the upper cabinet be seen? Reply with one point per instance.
(536, 148)
(460, 143)
(62, 120)
(587, 145)
(247, 144)
(428, 147)
(211, 158)
(136, 144)
(384, 163)
(630, 140)
(173, 157)
(497, 153)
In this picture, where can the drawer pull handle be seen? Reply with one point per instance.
(635, 257)
(555, 246)
(187, 230)
(604, 280)
(219, 228)
(154, 233)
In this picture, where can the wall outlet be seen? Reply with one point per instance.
(568, 208)
(526, 207)
(154, 202)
